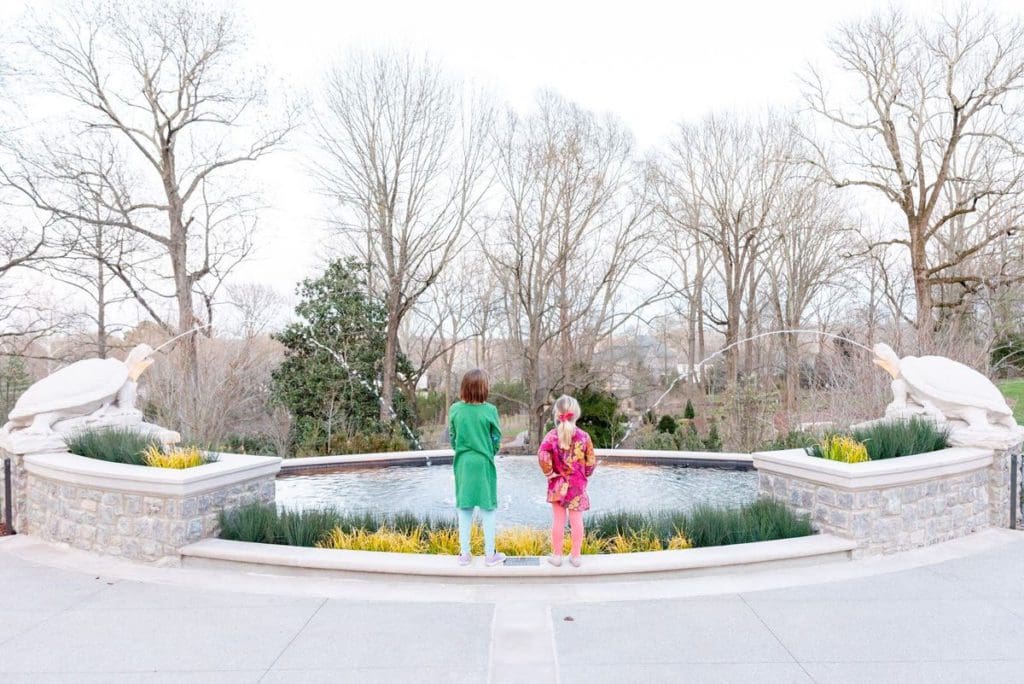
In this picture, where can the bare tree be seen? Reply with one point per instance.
(685, 261)
(932, 126)
(486, 321)
(234, 394)
(157, 87)
(570, 232)
(442, 324)
(26, 242)
(805, 263)
(256, 309)
(94, 255)
(404, 158)
(728, 176)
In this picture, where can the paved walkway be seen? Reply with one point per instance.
(951, 613)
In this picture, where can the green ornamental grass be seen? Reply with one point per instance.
(118, 445)
(624, 531)
(892, 439)
(902, 438)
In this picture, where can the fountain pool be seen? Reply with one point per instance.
(430, 490)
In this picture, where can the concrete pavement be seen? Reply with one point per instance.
(953, 613)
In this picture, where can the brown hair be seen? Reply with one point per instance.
(474, 387)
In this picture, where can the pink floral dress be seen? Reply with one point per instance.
(571, 468)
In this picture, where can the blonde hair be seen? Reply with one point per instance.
(565, 407)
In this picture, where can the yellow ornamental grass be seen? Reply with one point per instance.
(679, 542)
(383, 539)
(844, 449)
(634, 542)
(592, 544)
(476, 540)
(443, 542)
(180, 458)
(522, 541)
(515, 541)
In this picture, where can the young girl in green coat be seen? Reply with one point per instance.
(475, 436)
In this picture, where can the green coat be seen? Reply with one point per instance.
(475, 435)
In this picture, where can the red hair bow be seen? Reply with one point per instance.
(566, 417)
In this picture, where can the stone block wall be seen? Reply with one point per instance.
(999, 490)
(890, 519)
(132, 526)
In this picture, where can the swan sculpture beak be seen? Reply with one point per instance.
(886, 366)
(139, 368)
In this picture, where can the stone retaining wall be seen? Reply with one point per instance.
(893, 518)
(129, 511)
(894, 505)
(134, 526)
(999, 490)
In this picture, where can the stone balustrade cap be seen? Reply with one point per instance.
(229, 469)
(890, 472)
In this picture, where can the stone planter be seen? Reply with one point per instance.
(131, 511)
(894, 504)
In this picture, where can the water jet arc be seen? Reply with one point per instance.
(726, 348)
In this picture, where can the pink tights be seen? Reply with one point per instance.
(558, 529)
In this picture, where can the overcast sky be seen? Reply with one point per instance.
(651, 63)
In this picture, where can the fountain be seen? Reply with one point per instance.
(721, 351)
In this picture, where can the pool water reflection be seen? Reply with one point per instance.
(430, 490)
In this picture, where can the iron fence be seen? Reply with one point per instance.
(1016, 490)
(8, 504)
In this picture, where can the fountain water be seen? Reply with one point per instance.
(180, 335)
(726, 348)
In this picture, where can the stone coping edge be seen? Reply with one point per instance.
(229, 469)
(446, 455)
(270, 556)
(890, 472)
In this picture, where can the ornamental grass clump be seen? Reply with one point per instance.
(889, 439)
(679, 542)
(522, 541)
(117, 445)
(892, 439)
(634, 541)
(592, 545)
(844, 449)
(177, 458)
(265, 524)
(305, 528)
(253, 523)
(384, 539)
(445, 542)
(613, 532)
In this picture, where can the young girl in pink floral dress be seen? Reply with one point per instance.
(566, 456)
